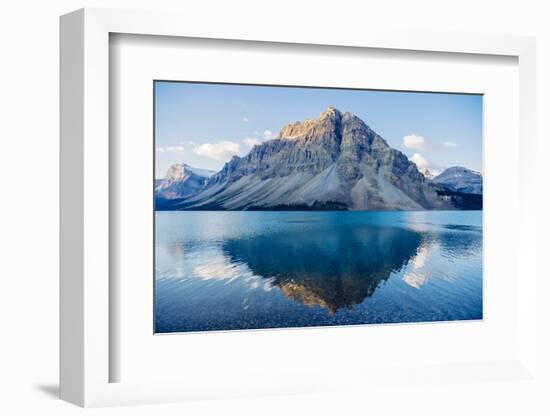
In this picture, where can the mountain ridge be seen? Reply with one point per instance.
(336, 160)
(460, 179)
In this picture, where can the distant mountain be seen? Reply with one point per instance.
(459, 179)
(426, 172)
(181, 181)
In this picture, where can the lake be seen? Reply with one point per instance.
(226, 270)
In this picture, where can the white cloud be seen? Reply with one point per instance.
(220, 150)
(414, 141)
(424, 164)
(420, 161)
(417, 142)
(179, 150)
(268, 134)
(251, 141)
(245, 119)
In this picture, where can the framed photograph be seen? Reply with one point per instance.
(323, 222)
(245, 216)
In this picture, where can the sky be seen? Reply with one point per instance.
(204, 125)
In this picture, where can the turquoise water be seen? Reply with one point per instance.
(223, 270)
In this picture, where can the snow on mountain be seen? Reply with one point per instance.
(333, 162)
(459, 179)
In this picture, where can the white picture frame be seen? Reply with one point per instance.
(85, 205)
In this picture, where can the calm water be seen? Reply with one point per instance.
(220, 270)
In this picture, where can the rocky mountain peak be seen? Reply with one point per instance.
(181, 171)
(351, 120)
(329, 122)
(176, 172)
(331, 113)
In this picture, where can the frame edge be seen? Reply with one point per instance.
(71, 221)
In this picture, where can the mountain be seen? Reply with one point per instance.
(333, 162)
(426, 172)
(181, 181)
(459, 179)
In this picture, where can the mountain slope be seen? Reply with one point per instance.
(335, 161)
(459, 179)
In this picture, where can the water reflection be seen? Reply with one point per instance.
(417, 275)
(239, 270)
(332, 267)
(460, 242)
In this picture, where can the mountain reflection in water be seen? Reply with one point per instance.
(245, 270)
(331, 267)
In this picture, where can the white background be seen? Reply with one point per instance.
(29, 210)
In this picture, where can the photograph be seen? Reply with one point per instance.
(299, 206)
(243, 208)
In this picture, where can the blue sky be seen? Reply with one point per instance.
(204, 125)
